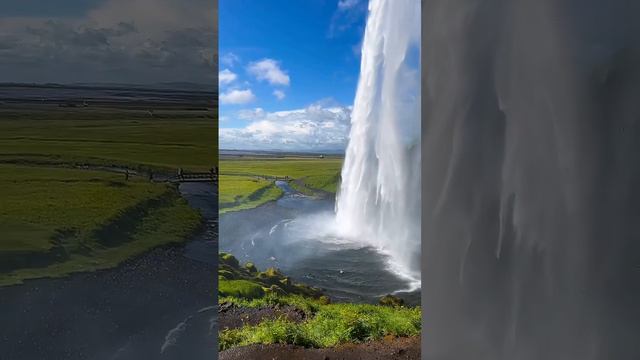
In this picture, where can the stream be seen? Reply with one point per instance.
(294, 234)
(156, 306)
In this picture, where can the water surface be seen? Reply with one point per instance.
(295, 234)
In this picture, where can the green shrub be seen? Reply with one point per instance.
(250, 267)
(240, 288)
(390, 300)
(228, 259)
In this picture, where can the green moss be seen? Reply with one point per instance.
(229, 268)
(240, 288)
(251, 267)
(275, 290)
(227, 275)
(390, 300)
(229, 260)
(326, 325)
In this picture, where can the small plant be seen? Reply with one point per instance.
(332, 325)
(240, 288)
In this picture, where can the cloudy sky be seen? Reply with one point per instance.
(124, 41)
(288, 72)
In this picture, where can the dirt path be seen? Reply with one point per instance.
(231, 317)
(387, 349)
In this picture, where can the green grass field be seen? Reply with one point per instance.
(56, 218)
(109, 137)
(243, 186)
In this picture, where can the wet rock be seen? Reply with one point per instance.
(391, 300)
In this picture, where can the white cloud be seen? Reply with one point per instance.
(229, 59)
(279, 94)
(348, 14)
(237, 97)
(315, 128)
(226, 77)
(248, 114)
(269, 70)
(129, 41)
(347, 4)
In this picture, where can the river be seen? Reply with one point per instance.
(295, 235)
(157, 306)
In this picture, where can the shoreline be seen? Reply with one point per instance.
(107, 258)
(158, 304)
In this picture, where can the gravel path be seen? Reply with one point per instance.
(387, 349)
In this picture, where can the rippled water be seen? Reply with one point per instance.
(297, 235)
(156, 306)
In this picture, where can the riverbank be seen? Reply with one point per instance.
(390, 348)
(248, 182)
(106, 260)
(297, 234)
(58, 221)
(269, 312)
(156, 305)
(79, 185)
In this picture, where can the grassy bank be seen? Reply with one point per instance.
(248, 182)
(245, 192)
(324, 325)
(56, 219)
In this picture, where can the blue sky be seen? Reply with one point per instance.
(288, 67)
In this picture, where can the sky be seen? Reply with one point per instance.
(108, 41)
(288, 72)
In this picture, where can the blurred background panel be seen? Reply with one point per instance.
(108, 179)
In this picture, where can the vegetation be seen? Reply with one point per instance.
(325, 324)
(63, 212)
(235, 280)
(57, 221)
(249, 182)
(332, 325)
(109, 137)
(245, 192)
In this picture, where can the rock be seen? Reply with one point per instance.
(391, 300)
(229, 259)
(324, 300)
(275, 289)
(251, 267)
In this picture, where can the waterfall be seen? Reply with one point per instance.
(531, 182)
(379, 197)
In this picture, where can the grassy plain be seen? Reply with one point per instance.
(131, 138)
(56, 218)
(248, 182)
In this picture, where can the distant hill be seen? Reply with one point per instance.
(169, 86)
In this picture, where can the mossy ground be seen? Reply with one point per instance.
(326, 324)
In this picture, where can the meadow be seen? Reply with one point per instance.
(131, 138)
(64, 208)
(249, 182)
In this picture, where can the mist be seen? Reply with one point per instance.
(530, 179)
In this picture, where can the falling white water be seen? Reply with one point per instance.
(379, 197)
